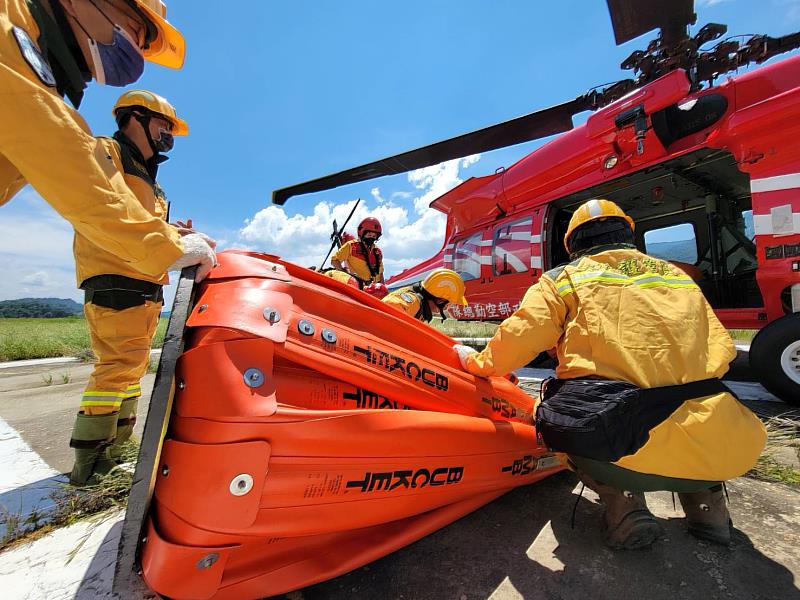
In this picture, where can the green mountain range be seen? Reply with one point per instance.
(40, 308)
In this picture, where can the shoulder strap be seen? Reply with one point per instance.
(374, 269)
(424, 307)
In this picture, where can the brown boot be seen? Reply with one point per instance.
(627, 522)
(707, 515)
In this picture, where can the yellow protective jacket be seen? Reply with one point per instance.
(353, 253)
(341, 277)
(91, 260)
(405, 300)
(620, 314)
(47, 144)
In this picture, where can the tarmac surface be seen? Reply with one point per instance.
(519, 546)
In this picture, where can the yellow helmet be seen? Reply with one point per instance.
(445, 284)
(166, 45)
(154, 103)
(591, 210)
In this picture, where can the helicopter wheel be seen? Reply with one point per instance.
(775, 358)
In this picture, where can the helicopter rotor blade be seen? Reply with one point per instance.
(539, 124)
(336, 236)
(632, 18)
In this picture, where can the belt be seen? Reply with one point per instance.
(120, 292)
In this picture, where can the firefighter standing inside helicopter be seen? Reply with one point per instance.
(637, 332)
(122, 305)
(50, 49)
(364, 259)
(440, 288)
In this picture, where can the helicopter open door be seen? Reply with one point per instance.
(694, 211)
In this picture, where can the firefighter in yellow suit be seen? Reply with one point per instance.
(614, 313)
(361, 258)
(50, 49)
(438, 289)
(122, 305)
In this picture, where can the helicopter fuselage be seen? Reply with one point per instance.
(717, 170)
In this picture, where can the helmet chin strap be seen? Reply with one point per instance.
(144, 121)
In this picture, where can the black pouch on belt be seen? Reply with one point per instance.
(120, 292)
(604, 419)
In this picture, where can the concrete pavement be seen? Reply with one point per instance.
(520, 546)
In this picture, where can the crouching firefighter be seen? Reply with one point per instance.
(440, 288)
(640, 356)
(122, 305)
(363, 258)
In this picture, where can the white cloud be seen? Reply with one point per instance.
(38, 279)
(409, 236)
(35, 250)
(438, 179)
(376, 193)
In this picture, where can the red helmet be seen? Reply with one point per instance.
(369, 224)
(347, 237)
(379, 290)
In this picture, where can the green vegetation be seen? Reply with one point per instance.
(743, 335)
(39, 308)
(68, 336)
(464, 329)
(42, 338)
(781, 453)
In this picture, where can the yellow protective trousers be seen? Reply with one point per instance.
(47, 144)
(121, 341)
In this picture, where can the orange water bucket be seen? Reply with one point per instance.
(315, 430)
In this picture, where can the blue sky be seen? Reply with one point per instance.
(276, 93)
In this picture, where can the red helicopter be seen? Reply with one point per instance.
(714, 165)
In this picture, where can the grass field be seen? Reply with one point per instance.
(43, 338)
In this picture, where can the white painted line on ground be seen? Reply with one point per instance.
(35, 362)
(26, 480)
(72, 563)
(57, 360)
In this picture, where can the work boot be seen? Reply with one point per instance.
(90, 438)
(126, 419)
(628, 524)
(707, 515)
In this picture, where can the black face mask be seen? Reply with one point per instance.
(165, 140)
(369, 241)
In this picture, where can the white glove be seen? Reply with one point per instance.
(186, 228)
(463, 352)
(196, 251)
(208, 240)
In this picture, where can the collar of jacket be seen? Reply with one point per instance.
(604, 248)
(59, 46)
(131, 148)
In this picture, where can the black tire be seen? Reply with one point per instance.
(775, 358)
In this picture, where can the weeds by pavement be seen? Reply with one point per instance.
(782, 453)
(74, 504)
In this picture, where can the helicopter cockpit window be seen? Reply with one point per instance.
(467, 257)
(676, 243)
(749, 228)
(511, 248)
